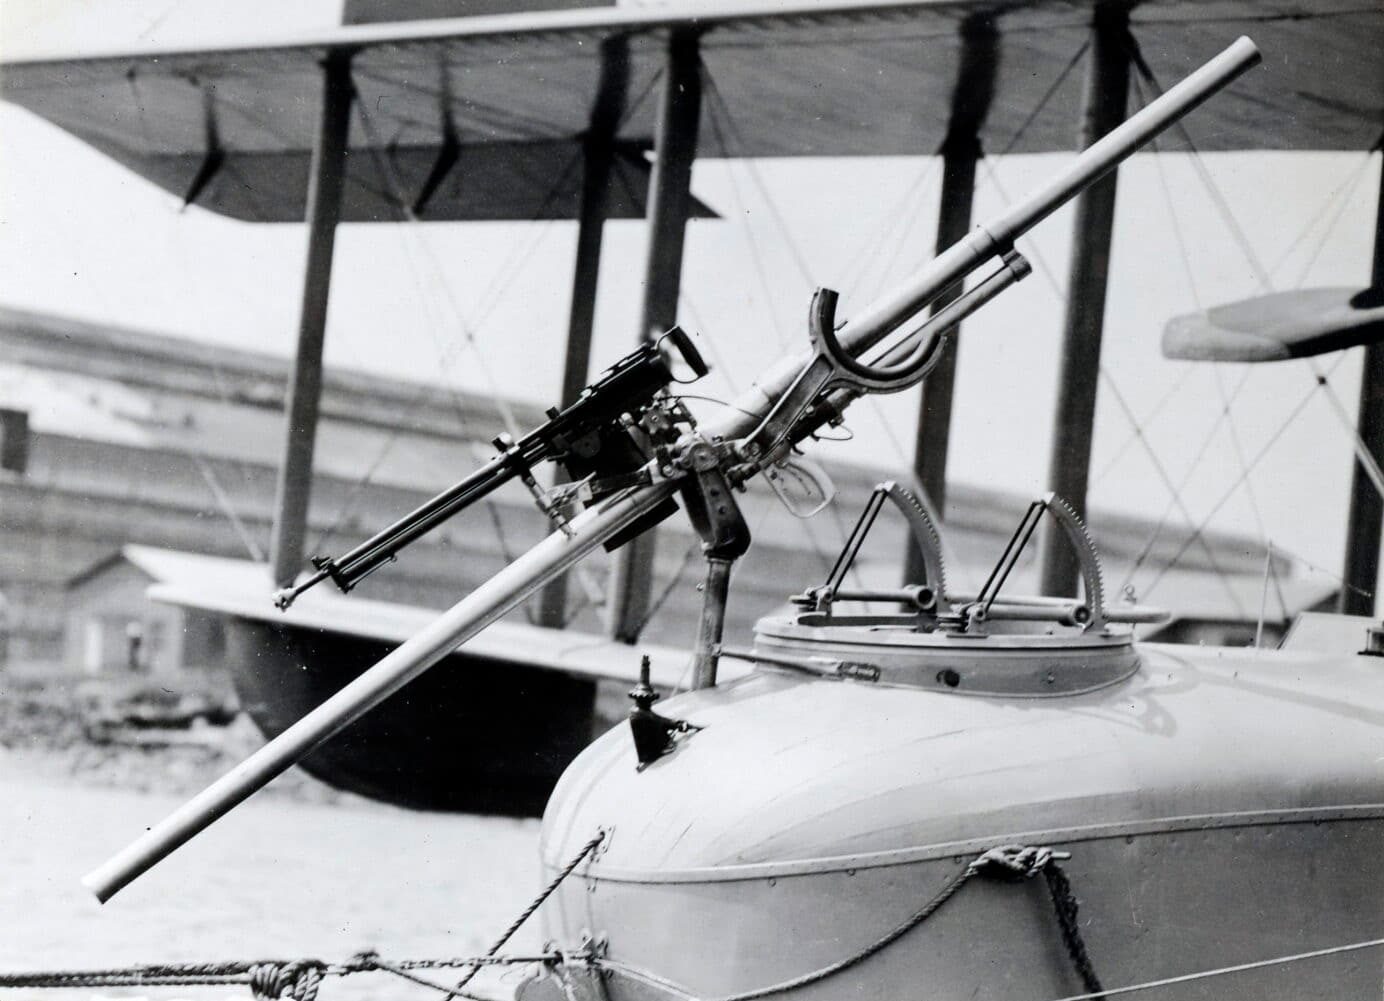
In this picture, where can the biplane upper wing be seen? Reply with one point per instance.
(503, 102)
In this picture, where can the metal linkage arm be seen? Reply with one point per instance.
(799, 412)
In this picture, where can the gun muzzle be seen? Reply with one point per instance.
(995, 238)
(554, 555)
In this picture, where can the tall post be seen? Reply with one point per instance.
(598, 152)
(1069, 466)
(1361, 571)
(971, 98)
(305, 379)
(669, 203)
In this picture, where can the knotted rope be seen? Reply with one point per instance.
(1010, 862)
(299, 979)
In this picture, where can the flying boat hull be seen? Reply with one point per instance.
(1221, 807)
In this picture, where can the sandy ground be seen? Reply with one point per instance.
(44, 734)
(298, 870)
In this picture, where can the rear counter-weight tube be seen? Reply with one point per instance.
(554, 555)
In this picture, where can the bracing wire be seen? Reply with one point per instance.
(1364, 455)
(1227, 398)
(1340, 196)
(1176, 501)
(1043, 101)
(1175, 494)
(1348, 192)
(1235, 486)
(227, 508)
(725, 128)
(862, 259)
(1226, 411)
(714, 118)
(445, 354)
(1222, 971)
(719, 107)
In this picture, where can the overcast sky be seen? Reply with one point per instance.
(80, 235)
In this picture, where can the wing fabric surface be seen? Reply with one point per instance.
(515, 92)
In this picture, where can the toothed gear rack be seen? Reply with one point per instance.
(981, 644)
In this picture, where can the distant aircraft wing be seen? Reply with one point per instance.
(241, 589)
(795, 78)
(1278, 327)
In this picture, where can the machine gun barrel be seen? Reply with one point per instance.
(625, 387)
(561, 550)
(349, 569)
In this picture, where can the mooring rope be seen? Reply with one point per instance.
(299, 979)
(1011, 862)
(536, 903)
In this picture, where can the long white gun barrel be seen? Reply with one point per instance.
(992, 240)
(560, 551)
(554, 555)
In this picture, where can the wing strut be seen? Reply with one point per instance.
(670, 201)
(305, 381)
(1069, 465)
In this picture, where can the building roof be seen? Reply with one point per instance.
(150, 391)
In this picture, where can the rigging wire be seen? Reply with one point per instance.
(1175, 494)
(721, 118)
(1227, 399)
(1174, 490)
(1193, 288)
(1340, 193)
(1260, 964)
(1048, 95)
(1221, 502)
(861, 260)
(915, 190)
(445, 354)
(224, 503)
(751, 243)
(752, 169)
(1364, 456)
(1349, 193)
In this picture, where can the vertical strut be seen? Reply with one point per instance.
(598, 151)
(1069, 466)
(669, 203)
(1361, 570)
(305, 380)
(971, 99)
(715, 594)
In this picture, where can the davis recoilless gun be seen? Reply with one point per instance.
(885, 347)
